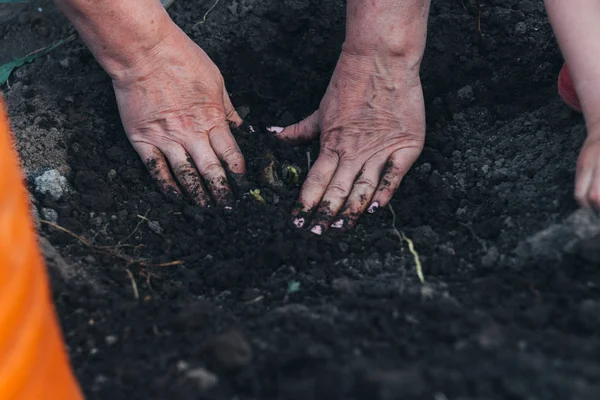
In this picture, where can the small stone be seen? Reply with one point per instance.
(466, 93)
(51, 182)
(485, 169)
(65, 62)
(425, 168)
(231, 350)
(520, 28)
(491, 257)
(205, 379)
(111, 339)
(49, 215)
(112, 174)
(155, 227)
(182, 366)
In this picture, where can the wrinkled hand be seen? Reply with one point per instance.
(371, 123)
(176, 111)
(587, 182)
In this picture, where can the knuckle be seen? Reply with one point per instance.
(211, 168)
(315, 180)
(366, 183)
(233, 155)
(338, 189)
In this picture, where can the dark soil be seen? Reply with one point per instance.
(258, 310)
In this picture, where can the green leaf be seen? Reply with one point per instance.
(8, 68)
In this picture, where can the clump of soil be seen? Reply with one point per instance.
(213, 304)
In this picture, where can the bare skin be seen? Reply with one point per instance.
(171, 96)
(371, 121)
(576, 24)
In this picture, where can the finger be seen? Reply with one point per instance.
(361, 195)
(301, 132)
(232, 116)
(158, 168)
(394, 171)
(583, 181)
(593, 195)
(227, 150)
(187, 175)
(335, 196)
(314, 186)
(210, 167)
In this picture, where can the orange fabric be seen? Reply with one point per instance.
(566, 89)
(33, 360)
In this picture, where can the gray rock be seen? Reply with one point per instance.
(491, 257)
(205, 379)
(49, 215)
(466, 93)
(53, 183)
(520, 28)
(155, 227)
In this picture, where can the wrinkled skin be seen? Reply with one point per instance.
(371, 124)
(177, 112)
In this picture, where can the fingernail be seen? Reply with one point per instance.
(373, 207)
(299, 222)
(275, 129)
(317, 230)
(228, 208)
(338, 224)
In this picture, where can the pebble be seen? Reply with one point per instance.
(155, 227)
(231, 350)
(520, 28)
(111, 339)
(112, 174)
(49, 215)
(65, 63)
(53, 183)
(491, 257)
(466, 93)
(205, 379)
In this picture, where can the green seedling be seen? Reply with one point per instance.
(292, 174)
(256, 194)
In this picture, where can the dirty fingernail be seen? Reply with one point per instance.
(338, 224)
(373, 207)
(317, 230)
(299, 222)
(275, 129)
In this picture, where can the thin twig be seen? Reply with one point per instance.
(411, 246)
(206, 15)
(136, 294)
(308, 160)
(111, 250)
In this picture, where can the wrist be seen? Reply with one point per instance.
(121, 35)
(387, 28)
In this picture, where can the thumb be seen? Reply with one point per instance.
(301, 132)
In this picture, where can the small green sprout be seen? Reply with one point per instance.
(256, 194)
